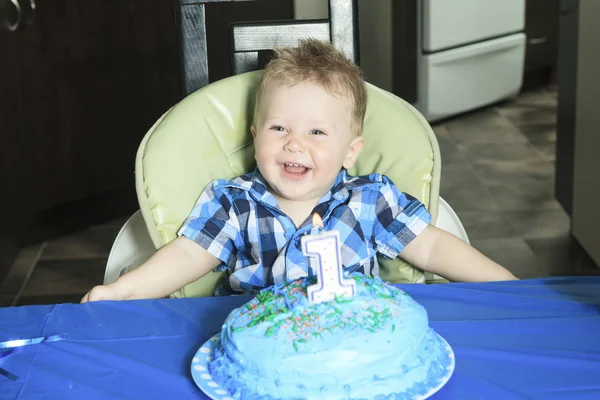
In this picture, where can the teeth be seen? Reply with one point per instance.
(293, 165)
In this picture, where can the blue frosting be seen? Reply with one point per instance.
(377, 344)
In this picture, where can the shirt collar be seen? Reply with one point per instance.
(251, 182)
(339, 191)
(259, 190)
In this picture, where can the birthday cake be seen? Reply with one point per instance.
(376, 344)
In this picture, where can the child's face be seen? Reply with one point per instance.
(302, 139)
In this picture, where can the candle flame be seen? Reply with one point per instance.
(317, 221)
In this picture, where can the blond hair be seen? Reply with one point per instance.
(320, 63)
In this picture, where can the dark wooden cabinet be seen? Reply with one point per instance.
(96, 75)
(541, 28)
(541, 53)
(14, 169)
(81, 82)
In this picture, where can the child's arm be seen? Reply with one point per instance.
(180, 262)
(444, 254)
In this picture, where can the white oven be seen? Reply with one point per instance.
(471, 54)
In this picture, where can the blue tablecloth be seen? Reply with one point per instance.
(532, 339)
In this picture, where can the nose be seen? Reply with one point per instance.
(294, 145)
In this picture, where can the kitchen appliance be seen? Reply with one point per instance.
(471, 53)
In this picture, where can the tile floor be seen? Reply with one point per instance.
(497, 174)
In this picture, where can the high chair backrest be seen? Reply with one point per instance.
(207, 136)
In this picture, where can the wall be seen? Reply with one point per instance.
(311, 9)
(375, 38)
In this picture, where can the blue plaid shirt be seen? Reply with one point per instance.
(239, 222)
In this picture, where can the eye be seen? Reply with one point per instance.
(317, 132)
(277, 128)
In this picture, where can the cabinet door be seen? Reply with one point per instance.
(97, 74)
(15, 172)
(81, 82)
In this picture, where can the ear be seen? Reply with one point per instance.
(253, 130)
(354, 150)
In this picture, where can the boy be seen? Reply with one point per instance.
(309, 113)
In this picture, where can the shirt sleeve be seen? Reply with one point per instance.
(214, 225)
(399, 218)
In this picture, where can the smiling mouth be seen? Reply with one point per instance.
(295, 169)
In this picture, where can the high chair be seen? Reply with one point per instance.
(207, 136)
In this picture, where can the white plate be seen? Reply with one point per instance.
(201, 374)
(212, 389)
(449, 369)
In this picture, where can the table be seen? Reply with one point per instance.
(529, 339)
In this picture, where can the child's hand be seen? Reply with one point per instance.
(101, 292)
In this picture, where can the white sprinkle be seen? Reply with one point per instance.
(199, 367)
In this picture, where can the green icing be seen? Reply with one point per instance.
(287, 311)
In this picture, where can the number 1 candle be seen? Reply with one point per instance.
(325, 248)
